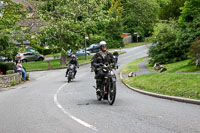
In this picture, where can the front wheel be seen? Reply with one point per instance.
(99, 97)
(69, 77)
(24, 60)
(111, 92)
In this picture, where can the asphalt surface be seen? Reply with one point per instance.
(48, 104)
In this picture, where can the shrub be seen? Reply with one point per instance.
(165, 49)
(5, 66)
(44, 51)
(195, 50)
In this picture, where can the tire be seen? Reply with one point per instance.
(24, 60)
(99, 97)
(69, 77)
(40, 59)
(111, 92)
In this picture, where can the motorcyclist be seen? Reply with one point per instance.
(115, 55)
(75, 63)
(99, 59)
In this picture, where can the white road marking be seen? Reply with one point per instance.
(41, 77)
(68, 114)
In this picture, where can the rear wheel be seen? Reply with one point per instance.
(111, 92)
(40, 59)
(24, 60)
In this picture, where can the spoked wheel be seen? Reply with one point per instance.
(69, 78)
(99, 97)
(111, 92)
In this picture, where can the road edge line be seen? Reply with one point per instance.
(67, 113)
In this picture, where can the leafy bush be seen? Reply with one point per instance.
(189, 22)
(44, 51)
(5, 66)
(95, 39)
(114, 43)
(165, 49)
(195, 50)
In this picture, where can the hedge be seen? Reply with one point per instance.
(5, 66)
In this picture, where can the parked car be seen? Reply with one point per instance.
(3, 59)
(93, 48)
(80, 52)
(29, 56)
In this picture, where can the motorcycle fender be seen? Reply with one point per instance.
(113, 79)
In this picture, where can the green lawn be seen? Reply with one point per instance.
(181, 66)
(135, 44)
(43, 65)
(176, 81)
(173, 84)
(53, 55)
(132, 66)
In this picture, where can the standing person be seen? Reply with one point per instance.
(75, 63)
(19, 68)
(100, 58)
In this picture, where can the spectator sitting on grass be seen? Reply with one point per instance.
(19, 68)
(157, 66)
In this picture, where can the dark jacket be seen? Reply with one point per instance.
(75, 62)
(98, 59)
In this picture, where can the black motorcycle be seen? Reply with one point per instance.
(71, 72)
(115, 58)
(108, 90)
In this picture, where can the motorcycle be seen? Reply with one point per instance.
(71, 72)
(115, 56)
(108, 90)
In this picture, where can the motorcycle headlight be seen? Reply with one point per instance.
(112, 73)
(104, 70)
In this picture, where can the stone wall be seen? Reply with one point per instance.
(11, 79)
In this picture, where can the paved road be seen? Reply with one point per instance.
(48, 104)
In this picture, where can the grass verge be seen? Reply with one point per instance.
(54, 64)
(135, 44)
(181, 66)
(43, 65)
(174, 82)
(132, 66)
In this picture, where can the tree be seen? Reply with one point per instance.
(140, 16)
(165, 49)
(69, 21)
(189, 22)
(195, 50)
(171, 9)
(12, 13)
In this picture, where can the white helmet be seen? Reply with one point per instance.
(73, 56)
(102, 43)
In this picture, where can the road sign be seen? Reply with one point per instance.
(86, 37)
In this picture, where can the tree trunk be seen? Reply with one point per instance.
(63, 59)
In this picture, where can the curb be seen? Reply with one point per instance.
(174, 98)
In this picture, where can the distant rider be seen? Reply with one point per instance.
(100, 58)
(115, 55)
(75, 63)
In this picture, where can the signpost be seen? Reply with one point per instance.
(137, 35)
(86, 37)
